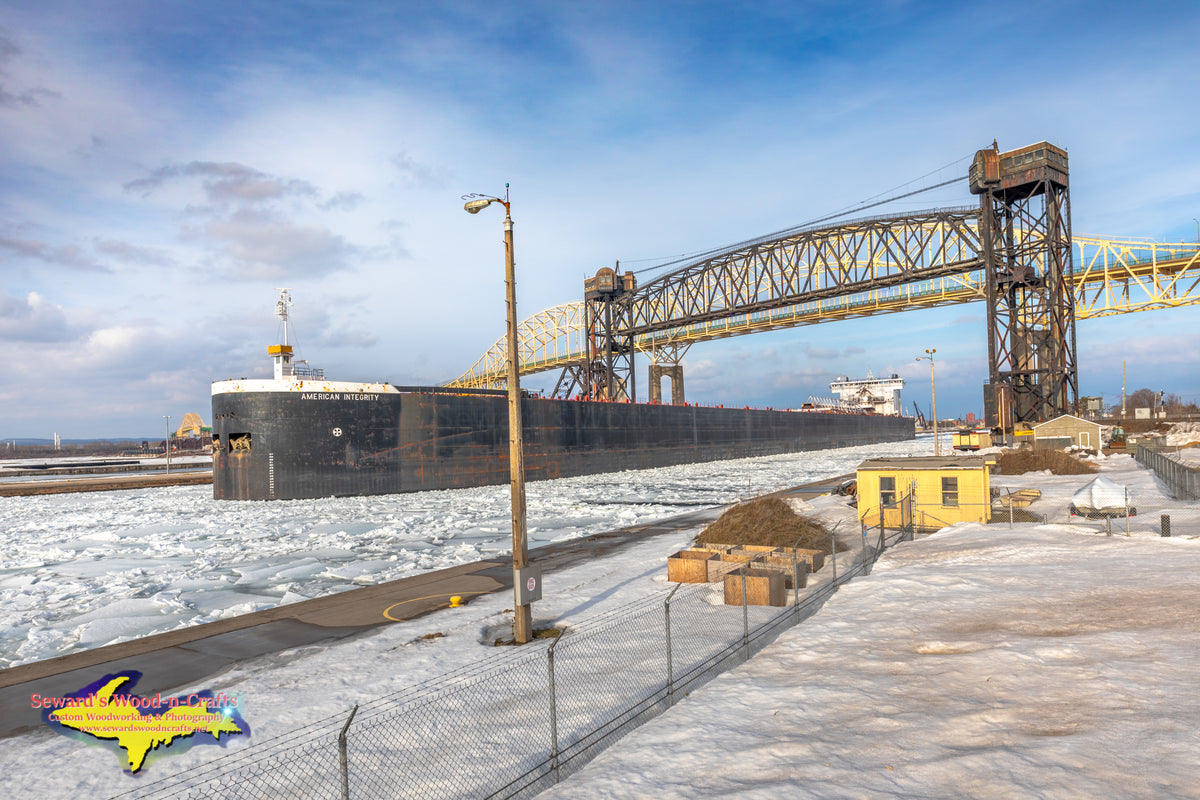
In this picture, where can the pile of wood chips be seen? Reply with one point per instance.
(768, 521)
(1018, 462)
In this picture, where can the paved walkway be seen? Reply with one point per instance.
(189, 655)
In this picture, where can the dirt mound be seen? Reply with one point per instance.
(767, 521)
(1018, 462)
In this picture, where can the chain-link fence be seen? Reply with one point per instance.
(525, 718)
(1134, 516)
(1182, 479)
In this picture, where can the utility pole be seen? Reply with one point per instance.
(1122, 390)
(526, 581)
(937, 445)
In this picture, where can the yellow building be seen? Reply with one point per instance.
(927, 493)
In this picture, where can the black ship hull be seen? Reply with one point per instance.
(282, 445)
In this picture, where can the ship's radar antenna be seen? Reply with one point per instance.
(281, 310)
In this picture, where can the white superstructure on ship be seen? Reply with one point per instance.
(877, 395)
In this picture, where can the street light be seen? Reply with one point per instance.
(937, 445)
(167, 443)
(522, 612)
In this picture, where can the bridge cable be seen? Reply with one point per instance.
(694, 258)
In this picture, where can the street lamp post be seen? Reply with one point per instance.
(167, 443)
(937, 444)
(522, 612)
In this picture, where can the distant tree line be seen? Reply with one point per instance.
(1173, 404)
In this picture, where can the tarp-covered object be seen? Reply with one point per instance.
(1101, 498)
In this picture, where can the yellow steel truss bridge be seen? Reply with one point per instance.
(874, 266)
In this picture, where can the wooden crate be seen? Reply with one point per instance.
(764, 587)
(749, 552)
(757, 558)
(716, 548)
(699, 566)
(786, 567)
(815, 559)
(727, 557)
(723, 566)
(809, 560)
(691, 566)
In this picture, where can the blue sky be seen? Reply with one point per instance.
(165, 165)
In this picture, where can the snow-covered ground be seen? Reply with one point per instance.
(1183, 433)
(82, 570)
(980, 661)
(977, 662)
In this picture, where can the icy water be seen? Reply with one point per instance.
(82, 570)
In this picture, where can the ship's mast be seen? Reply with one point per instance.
(281, 354)
(281, 310)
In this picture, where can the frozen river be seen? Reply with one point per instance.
(83, 570)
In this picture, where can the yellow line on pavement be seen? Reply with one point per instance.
(387, 611)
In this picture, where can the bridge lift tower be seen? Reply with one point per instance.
(606, 372)
(1025, 233)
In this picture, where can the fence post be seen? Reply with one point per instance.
(670, 669)
(343, 766)
(909, 513)
(1165, 525)
(1126, 510)
(833, 557)
(795, 582)
(553, 709)
(1010, 509)
(745, 614)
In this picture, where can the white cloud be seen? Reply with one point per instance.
(69, 255)
(226, 183)
(264, 247)
(131, 253)
(33, 319)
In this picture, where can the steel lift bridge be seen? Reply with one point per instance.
(1014, 251)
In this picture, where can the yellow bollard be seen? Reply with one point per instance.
(455, 601)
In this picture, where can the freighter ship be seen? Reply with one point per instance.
(298, 435)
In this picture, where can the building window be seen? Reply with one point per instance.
(950, 492)
(887, 491)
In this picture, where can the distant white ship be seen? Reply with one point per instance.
(871, 394)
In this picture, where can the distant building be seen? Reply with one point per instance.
(1069, 430)
(1091, 406)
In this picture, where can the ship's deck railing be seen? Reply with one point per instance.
(299, 369)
